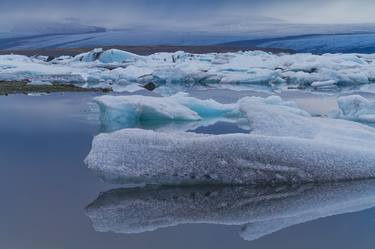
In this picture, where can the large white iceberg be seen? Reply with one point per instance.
(356, 108)
(285, 145)
(259, 211)
(113, 68)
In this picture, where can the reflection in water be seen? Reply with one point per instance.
(260, 211)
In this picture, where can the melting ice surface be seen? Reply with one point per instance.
(259, 211)
(124, 71)
(285, 145)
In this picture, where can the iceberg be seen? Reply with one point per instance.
(356, 108)
(113, 68)
(118, 112)
(258, 211)
(109, 56)
(285, 145)
(324, 84)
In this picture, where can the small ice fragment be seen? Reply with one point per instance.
(323, 84)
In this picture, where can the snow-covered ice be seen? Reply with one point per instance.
(259, 211)
(356, 108)
(117, 69)
(285, 145)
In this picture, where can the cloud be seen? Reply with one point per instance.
(195, 15)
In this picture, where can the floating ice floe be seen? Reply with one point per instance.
(259, 211)
(118, 112)
(285, 145)
(117, 69)
(356, 108)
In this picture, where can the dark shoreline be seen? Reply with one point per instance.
(144, 50)
(23, 87)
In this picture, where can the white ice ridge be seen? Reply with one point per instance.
(260, 211)
(118, 112)
(120, 69)
(356, 108)
(285, 145)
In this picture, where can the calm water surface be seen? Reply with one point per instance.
(45, 189)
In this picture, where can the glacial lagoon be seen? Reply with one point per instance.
(54, 201)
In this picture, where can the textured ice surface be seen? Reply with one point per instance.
(118, 69)
(285, 145)
(355, 107)
(131, 111)
(260, 211)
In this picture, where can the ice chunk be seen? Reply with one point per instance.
(276, 117)
(254, 76)
(356, 108)
(109, 56)
(129, 111)
(259, 211)
(286, 145)
(324, 84)
(127, 88)
(205, 108)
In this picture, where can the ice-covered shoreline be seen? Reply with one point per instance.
(120, 69)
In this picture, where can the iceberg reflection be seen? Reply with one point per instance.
(260, 211)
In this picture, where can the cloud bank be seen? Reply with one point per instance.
(192, 15)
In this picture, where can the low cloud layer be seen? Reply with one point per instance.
(192, 15)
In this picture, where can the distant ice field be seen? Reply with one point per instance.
(173, 72)
(340, 43)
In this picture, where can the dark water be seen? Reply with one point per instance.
(45, 189)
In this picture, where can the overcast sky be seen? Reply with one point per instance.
(189, 14)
